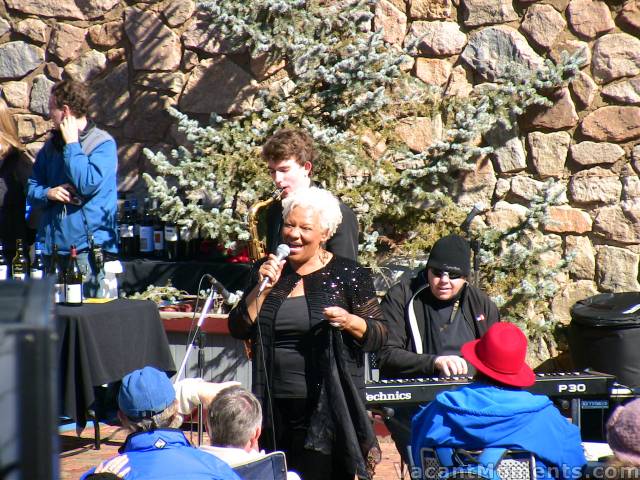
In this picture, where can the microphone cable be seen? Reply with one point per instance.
(193, 331)
(269, 399)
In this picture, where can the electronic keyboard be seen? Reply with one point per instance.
(421, 390)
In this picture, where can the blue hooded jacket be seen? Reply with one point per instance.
(479, 415)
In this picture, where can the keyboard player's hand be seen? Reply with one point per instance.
(449, 365)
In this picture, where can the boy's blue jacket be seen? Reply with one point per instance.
(166, 454)
(479, 415)
(94, 178)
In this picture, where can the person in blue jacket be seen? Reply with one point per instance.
(494, 411)
(73, 183)
(157, 449)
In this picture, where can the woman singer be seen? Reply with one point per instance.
(316, 317)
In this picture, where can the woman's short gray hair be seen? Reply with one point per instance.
(168, 418)
(318, 200)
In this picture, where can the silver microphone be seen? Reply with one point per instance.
(282, 252)
(229, 298)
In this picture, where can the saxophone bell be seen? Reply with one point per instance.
(257, 247)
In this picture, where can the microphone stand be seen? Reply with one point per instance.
(198, 337)
(475, 274)
(474, 244)
(201, 338)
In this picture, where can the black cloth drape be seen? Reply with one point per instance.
(141, 272)
(101, 343)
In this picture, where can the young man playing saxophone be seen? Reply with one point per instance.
(290, 154)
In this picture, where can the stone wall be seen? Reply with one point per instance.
(142, 56)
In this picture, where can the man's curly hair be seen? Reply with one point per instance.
(289, 143)
(73, 94)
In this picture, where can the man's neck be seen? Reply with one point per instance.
(82, 123)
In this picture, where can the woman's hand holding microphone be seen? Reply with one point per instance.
(271, 270)
(268, 276)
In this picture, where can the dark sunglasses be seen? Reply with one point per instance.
(436, 272)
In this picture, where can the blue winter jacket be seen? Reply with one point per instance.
(166, 454)
(94, 178)
(480, 415)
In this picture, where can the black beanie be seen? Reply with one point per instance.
(451, 254)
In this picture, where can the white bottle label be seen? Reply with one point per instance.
(126, 231)
(158, 240)
(74, 293)
(170, 234)
(146, 238)
(4, 272)
(59, 293)
(37, 274)
(19, 276)
(185, 234)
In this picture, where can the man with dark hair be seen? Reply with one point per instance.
(73, 184)
(156, 447)
(235, 424)
(429, 318)
(290, 155)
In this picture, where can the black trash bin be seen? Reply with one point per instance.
(604, 335)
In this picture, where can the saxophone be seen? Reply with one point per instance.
(257, 247)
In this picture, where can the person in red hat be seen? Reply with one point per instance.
(494, 411)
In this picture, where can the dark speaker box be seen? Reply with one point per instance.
(28, 385)
(604, 335)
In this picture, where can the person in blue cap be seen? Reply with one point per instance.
(156, 448)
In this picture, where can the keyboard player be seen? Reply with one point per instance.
(429, 318)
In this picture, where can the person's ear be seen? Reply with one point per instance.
(308, 166)
(67, 111)
(254, 439)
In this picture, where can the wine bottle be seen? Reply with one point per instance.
(158, 232)
(134, 220)
(184, 243)
(73, 280)
(126, 231)
(19, 265)
(4, 265)
(37, 266)
(171, 241)
(55, 270)
(146, 231)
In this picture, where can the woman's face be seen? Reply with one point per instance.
(303, 233)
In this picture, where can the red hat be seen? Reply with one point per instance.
(500, 355)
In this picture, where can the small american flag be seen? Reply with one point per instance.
(480, 318)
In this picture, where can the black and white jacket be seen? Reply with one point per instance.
(402, 356)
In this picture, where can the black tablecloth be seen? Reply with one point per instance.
(140, 273)
(101, 343)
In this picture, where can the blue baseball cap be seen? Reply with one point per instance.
(145, 393)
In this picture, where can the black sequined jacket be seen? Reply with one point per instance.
(337, 358)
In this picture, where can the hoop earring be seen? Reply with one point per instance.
(323, 256)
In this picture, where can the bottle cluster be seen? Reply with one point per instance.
(68, 281)
(21, 266)
(144, 234)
